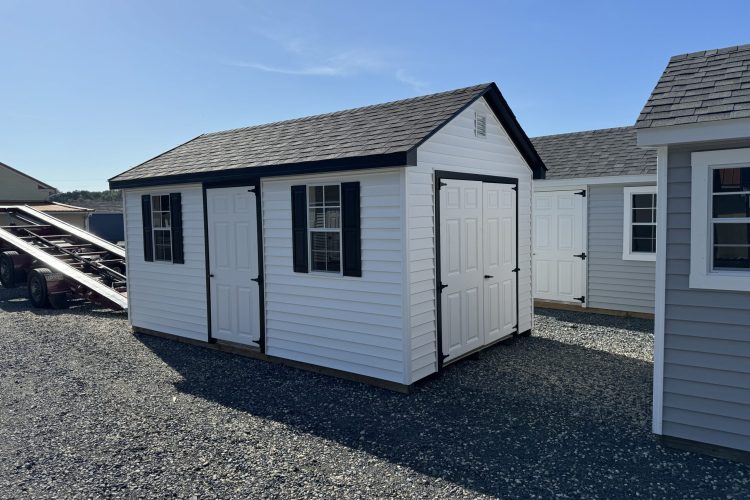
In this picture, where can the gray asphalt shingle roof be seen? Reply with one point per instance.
(701, 87)
(594, 153)
(372, 130)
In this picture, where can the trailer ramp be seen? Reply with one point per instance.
(61, 259)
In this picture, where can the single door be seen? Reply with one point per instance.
(559, 246)
(477, 264)
(499, 230)
(233, 264)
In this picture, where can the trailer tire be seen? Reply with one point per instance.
(12, 273)
(37, 287)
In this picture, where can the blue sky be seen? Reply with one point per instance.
(91, 88)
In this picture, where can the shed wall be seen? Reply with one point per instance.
(345, 323)
(166, 297)
(614, 283)
(706, 395)
(456, 148)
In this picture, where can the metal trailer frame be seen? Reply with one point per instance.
(92, 268)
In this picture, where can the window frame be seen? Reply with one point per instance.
(311, 230)
(702, 273)
(627, 231)
(155, 229)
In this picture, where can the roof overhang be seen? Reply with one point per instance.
(553, 184)
(399, 159)
(719, 130)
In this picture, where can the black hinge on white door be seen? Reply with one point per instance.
(440, 288)
(581, 255)
(581, 299)
(581, 193)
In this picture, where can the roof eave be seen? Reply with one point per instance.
(395, 159)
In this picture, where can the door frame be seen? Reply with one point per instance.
(439, 176)
(255, 184)
(584, 234)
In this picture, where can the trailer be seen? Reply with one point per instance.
(58, 262)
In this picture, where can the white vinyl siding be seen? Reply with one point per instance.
(457, 148)
(613, 282)
(162, 296)
(345, 323)
(706, 386)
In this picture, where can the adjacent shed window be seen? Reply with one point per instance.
(639, 241)
(730, 218)
(161, 224)
(324, 226)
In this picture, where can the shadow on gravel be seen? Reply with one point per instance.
(13, 300)
(532, 417)
(587, 318)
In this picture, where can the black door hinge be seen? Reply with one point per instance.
(441, 184)
(443, 356)
(515, 188)
(581, 256)
(581, 193)
(581, 299)
(442, 285)
(516, 270)
(258, 280)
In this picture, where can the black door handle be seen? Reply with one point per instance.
(487, 276)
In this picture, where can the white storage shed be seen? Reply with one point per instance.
(378, 243)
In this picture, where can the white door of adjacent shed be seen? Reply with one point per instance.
(233, 264)
(477, 261)
(559, 246)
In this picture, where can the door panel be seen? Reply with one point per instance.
(233, 263)
(478, 256)
(559, 234)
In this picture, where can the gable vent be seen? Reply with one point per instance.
(480, 125)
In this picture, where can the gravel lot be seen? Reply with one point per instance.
(88, 409)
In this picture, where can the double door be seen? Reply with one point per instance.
(477, 264)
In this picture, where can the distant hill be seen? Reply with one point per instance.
(101, 201)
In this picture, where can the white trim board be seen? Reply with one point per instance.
(695, 132)
(660, 291)
(701, 274)
(627, 223)
(570, 183)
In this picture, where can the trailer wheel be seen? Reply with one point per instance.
(37, 286)
(11, 274)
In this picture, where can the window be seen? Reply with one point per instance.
(720, 220)
(161, 225)
(639, 231)
(324, 226)
(730, 218)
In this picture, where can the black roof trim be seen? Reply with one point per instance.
(335, 165)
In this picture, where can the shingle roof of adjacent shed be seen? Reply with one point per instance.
(594, 153)
(701, 87)
(373, 130)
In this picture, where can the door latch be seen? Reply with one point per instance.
(581, 256)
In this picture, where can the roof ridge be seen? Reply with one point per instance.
(709, 52)
(624, 127)
(477, 87)
(24, 174)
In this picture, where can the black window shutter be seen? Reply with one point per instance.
(175, 206)
(350, 229)
(148, 236)
(299, 229)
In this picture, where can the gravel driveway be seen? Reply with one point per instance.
(88, 409)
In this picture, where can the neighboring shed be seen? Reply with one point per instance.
(106, 221)
(379, 243)
(594, 226)
(698, 120)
